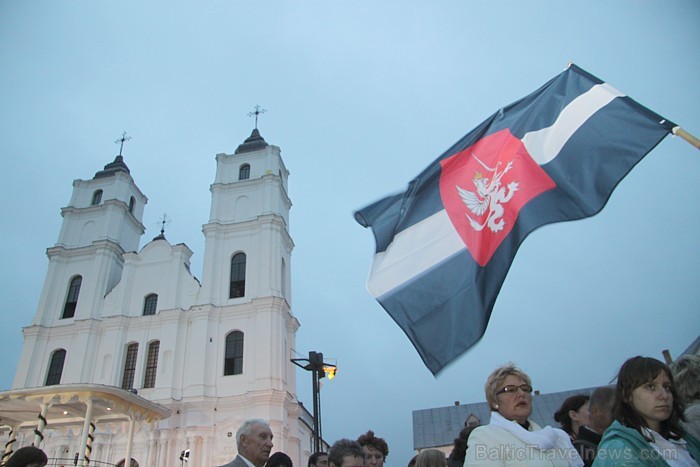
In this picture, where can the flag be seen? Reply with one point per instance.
(444, 246)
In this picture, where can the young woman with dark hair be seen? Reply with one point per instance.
(573, 414)
(647, 429)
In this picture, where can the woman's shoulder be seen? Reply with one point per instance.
(621, 445)
(483, 431)
(617, 434)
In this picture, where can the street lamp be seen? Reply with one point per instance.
(318, 369)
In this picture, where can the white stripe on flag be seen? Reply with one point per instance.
(545, 144)
(434, 239)
(413, 251)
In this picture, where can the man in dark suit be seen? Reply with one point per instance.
(254, 441)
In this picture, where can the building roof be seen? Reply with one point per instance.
(252, 143)
(441, 425)
(67, 405)
(112, 168)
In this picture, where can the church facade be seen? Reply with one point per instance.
(215, 352)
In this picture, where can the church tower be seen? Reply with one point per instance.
(246, 290)
(249, 226)
(100, 224)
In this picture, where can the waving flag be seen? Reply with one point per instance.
(445, 245)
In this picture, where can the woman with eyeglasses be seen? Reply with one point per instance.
(647, 429)
(511, 438)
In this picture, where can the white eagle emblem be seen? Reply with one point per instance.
(488, 196)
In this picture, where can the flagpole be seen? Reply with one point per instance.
(678, 131)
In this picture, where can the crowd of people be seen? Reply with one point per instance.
(651, 417)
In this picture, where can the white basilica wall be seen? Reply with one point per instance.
(213, 353)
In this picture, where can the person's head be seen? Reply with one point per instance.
(509, 392)
(279, 459)
(601, 408)
(686, 374)
(375, 448)
(254, 440)
(645, 397)
(346, 453)
(28, 456)
(430, 458)
(318, 459)
(573, 413)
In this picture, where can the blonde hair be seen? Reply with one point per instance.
(431, 458)
(497, 377)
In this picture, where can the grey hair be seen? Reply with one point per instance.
(603, 398)
(345, 447)
(247, 428)
(686, 376)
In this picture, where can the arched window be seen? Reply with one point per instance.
(56, 368)
(233, 359)
(150, 303)
(130, 366)
(237, 286)
(132, 202)
(149, 380)
(244, 172)
(72, 298)
(96, 198)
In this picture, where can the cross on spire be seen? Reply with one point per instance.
(121, 140)
(257, 112)
(163, 221)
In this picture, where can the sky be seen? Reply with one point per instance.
(360, 96)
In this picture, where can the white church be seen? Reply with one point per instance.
(129, 356)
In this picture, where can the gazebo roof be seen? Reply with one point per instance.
(67, 405)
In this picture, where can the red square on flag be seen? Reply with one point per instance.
(484, 187)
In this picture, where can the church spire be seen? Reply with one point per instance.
(118, 165)
(254, 142)
(165, 220)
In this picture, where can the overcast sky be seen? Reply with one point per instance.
(360, 97)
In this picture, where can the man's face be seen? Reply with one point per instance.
(257, 446)
(321, 461)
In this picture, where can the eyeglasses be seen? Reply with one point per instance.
(512, 389)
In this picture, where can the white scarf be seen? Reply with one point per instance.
(544, 439)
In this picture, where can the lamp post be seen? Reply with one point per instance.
(318, 369)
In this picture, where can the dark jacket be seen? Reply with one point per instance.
(587, 445)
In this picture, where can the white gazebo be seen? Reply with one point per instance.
(74, 405)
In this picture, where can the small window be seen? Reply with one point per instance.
(72, 298)
(244, 172)
(130, 366)
(150, 303)
(237, 285)
(233, 359)
(132, 202)
(96, 198)
(56, 368)
(149, 380)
